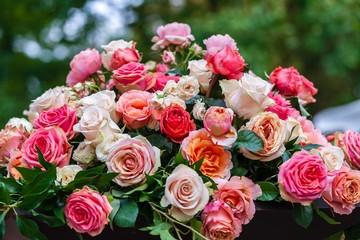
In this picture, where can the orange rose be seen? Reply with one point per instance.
(217, 161)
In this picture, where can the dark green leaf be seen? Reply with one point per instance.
(196, 224)
(2, 229)
(51, 221)
(179, 159)
(42, 160)
(34, 200)
(88, 172)
(214, 102)
(308, 147)
(323, 215)
(175, 71)
(11, 184)
(41, 182)
(336, 236)
(115, 204)
(59, 213)
(269, 191)
(27, 173)
(162, 229)
(127, 214)
(4, 194)
(159, 141)
(303, 215)
(29, 228)
(249, 140)
(197, 165)
(239, 171)
(353, 233)
(286, 156)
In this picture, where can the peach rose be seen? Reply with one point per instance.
(15, 161)
(350, 144)
(87, 211)
(219, 222)
(135, 108)
(216, 160)
(302, 178)
(273, 131)
(186, 192)
(332, 156)
(239, 193)
(133, 159)
(343, 191)
(218, 120)
(95, 124)
(53, 144)
(11, 139)
(248, 96)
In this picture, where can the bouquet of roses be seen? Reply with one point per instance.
(189, 141)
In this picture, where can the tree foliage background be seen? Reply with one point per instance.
(38, 39)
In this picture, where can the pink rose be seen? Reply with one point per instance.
(218, 222)
(350, 143)
(53, 144)
(239, 193)
(172, 33)
(343, 190)
(218, 120)
(63, 117)
(223, 58)
(302, 178)
(289, 82)
(162, 79)
(82, 66)
(168, 57)
(313, 135)
(134, 106)
(134, 75)
(87, 211)
(11, 139)
(186, 192)
(133, 159)
(118, 53)
(282, 107)
(161, 67)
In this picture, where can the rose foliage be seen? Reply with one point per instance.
(191, 141)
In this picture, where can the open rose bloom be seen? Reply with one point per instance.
(191, 137)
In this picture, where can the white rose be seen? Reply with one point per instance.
(111, 48)
(332, 156)
(170, 88)
(187, 87)
(108, 145)
(199, 70)
(84, 153)
(173, 100)
(17, 122)
(95, 124)
(104, 99)
(199, 110)
(66, 174)
(295, 129)
(248, 96)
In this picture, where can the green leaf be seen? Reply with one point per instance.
(161, 229)
(308, 147)
(42, 160)
(159, 141)
(41, 182)
(179, 159)
(196, 225)
(59, 213)
(27, 173)
(324, 215)
(2, 229)
(303, 215)
(336, 236)
(269, 191)
(51, 221)
(99, 180)
(197, 165)
(286, 156)
(11, 184)
(32, 201)
(239, 171)
(115, 204)
(4, 194)
(249, 140)
(353, 233)
(29, 228)
(127, 214)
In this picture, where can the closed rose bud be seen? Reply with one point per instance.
(218, 120)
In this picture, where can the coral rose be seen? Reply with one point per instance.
(216, 160)
(302, 178)
(63, 117)
(186, 192)
(219, 222)
(52, 143)
(343, 190)
(133, 159)
(273, 131)
(135, 109)
(87, 211)
(176, 124)
(239, 193)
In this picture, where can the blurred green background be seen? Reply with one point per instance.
(38, 39)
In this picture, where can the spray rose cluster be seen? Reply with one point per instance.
(195, 138)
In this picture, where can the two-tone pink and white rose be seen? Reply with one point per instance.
(248, 96)
(135, 108)
(84, 64)
(343, 191)
(175, 33)
(186, 192)
(95, 124)
(53, 144)
(118, 53)
(219, 222)
(272, 130)
(87, 211)
(133, 159)
(239, 193)
(302, 179)
(63, 117)
(349, 142)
